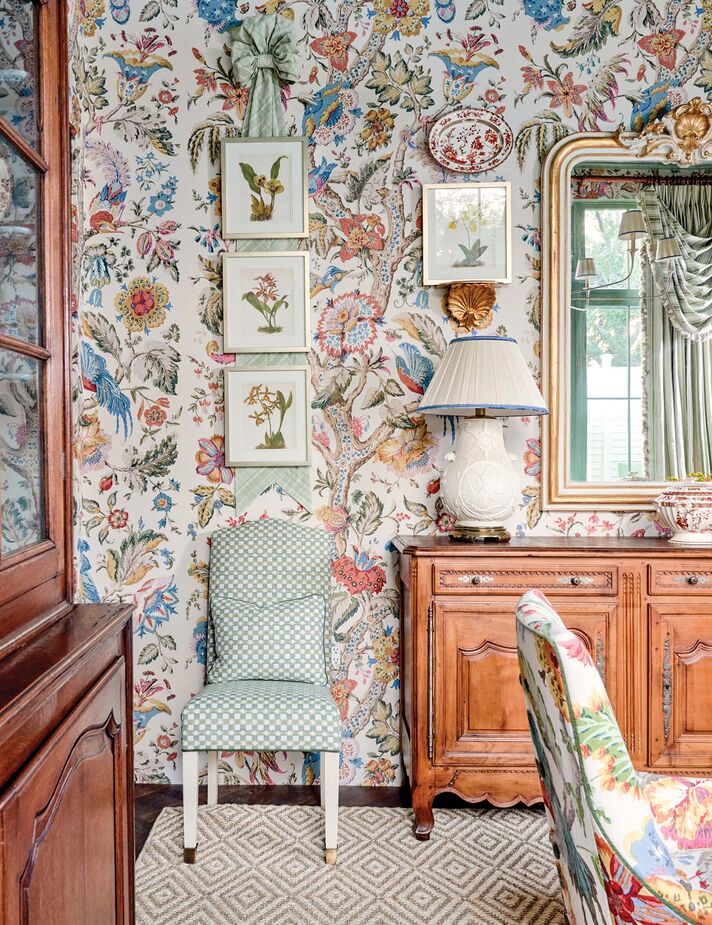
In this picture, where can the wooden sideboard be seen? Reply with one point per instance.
(66, 782)
(643, 607)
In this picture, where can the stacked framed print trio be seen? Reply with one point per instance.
(266, 301)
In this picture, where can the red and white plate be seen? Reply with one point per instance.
(470, 140)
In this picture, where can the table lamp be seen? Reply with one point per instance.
(481, 379)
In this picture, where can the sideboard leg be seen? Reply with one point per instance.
(423, 809)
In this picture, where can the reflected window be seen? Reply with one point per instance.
(606, 357)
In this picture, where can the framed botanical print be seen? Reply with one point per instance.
(266, 302)
(264, 188)
(467, 233)
(268, 416)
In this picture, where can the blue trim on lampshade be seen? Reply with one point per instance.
(523, 410)
(458, 340)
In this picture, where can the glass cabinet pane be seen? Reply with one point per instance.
(19, 230)
(21, 452)
(18, 68)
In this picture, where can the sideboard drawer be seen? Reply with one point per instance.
(492, 576)
(693, 577)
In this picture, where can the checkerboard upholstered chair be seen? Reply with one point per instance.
(268, 634)
(630, 848)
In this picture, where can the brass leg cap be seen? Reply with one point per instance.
(330, 855)
(189, 855)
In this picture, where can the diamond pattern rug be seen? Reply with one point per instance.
(265, 864)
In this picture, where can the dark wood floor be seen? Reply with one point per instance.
(152, 798)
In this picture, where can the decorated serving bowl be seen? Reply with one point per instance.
(686, 508)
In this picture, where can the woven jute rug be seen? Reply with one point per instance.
(265, 864)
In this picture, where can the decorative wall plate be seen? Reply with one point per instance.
(470, 140)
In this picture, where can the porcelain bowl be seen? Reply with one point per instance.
(686, 509)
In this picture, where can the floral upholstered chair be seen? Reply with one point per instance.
(630, 848)
(267, 684)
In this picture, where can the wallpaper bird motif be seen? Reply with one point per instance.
(153, 94)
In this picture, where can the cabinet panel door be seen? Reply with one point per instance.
(479, 714)
(66, 816)
(680, 665)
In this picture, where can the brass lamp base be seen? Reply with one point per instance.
(480, 535)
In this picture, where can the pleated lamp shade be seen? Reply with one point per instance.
(483, 373)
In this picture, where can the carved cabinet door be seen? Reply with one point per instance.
(63, 820)
(478, 714)
(680, 665)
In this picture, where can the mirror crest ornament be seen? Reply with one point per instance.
(679, 140)
(682, 136)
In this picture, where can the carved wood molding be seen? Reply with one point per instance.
(682, 136)
(91, 744)
(466, 772)
(511, 579)
(631, 607)
(470, 305)
(697, 651)
(486, 648)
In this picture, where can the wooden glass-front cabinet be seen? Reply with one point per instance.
(643, 608)
(66, 789)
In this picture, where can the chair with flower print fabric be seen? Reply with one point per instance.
(267, 684)
(630, 849)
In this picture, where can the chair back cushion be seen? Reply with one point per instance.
(263, 562)
(281, 641)
(606, 841)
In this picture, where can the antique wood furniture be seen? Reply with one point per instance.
(66, 781)
(642, 607)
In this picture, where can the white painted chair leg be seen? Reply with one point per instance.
(330, 777)
(212, 778)
(190, 806)
(322, 779)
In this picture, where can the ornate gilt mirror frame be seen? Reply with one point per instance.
(682, 137)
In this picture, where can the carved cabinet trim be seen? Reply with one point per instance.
(647, 627)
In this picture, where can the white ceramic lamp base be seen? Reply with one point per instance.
(480, 486)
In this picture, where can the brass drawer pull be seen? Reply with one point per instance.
(476, 579)
(576, 580)
(692, 580)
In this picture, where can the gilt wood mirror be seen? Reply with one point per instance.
(627, 311)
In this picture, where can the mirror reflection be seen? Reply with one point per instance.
(640, 322)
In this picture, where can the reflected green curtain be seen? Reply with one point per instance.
(677, 325)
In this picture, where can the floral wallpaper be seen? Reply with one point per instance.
(153, 94)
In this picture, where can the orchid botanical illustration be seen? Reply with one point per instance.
(266, 403)
(261, 209)
(471, 219)
(265, 298)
